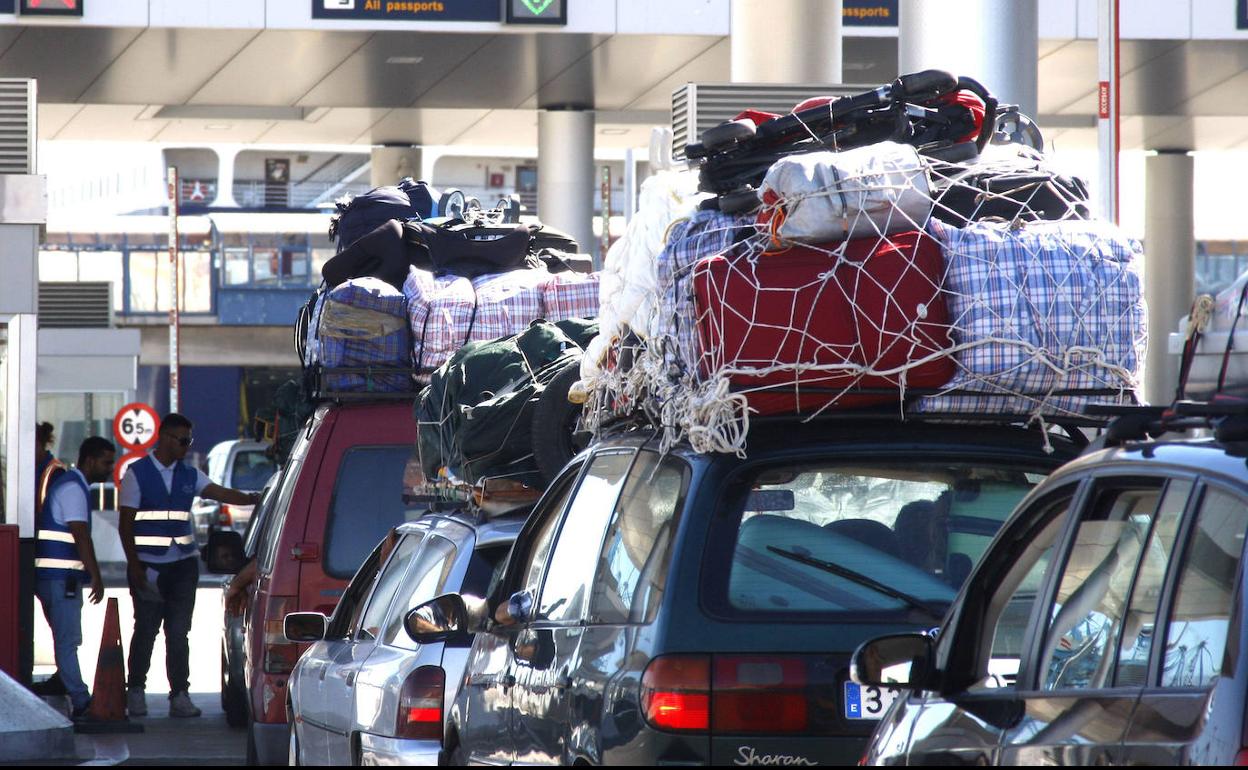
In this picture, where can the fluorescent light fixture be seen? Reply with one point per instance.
(405, 60)
(217, 127)
(613, 131)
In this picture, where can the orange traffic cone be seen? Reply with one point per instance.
(107, 713)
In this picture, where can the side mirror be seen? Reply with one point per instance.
(900, 660)
(305, 626)
(437, 619)
(224, 553)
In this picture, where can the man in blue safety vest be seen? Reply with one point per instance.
(162, 565)
(65, 560)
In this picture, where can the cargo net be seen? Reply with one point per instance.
(968, 291)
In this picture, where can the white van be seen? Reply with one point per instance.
(237, 464)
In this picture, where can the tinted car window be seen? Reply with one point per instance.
(813, 538)
(1197, 630)
(255, 524)
(351, 605)
(571, 571)
(1021, 584)
(1087, 612)
(368, 502)
(251, 469)
(425, 580)
(271, 528)
(538, 547)
(632, 569)
(1141, 620)
(387, 584)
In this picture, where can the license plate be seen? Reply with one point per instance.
(868, 702)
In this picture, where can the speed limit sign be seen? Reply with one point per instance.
(135, 427)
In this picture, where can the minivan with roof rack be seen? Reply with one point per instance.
(341, 490)
(676, 607)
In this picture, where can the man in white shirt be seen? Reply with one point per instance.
(65, 560)
(162, 564)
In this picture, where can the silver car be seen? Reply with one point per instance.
(364, 692)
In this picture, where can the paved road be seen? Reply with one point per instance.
(204, 740)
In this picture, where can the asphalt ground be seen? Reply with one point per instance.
(165, 741)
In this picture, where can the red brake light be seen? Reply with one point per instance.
(675, 693)
(225, 517)
(420, 704)
(754, 694)
(1241, 758)
(280, 654)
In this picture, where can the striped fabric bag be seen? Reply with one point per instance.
(363, 323)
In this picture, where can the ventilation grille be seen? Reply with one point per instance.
(17, 126)
(699, 106)
(81, 305)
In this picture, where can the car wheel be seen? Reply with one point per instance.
(292, 751)
(236, 707)
(224, 698)
(456, 757)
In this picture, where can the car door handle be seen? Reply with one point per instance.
(350, 677)
(509, 681)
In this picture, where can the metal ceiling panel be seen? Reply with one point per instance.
(508, 70)
(710, 63)
(166, 66)
(111, 122)
(339, 125)
(374, 75)
(292, 63)
(502, 128)
(1068, 76)
(1164, 84)
(1208, 132)
(212, 132)
(53, 117)
(423, 126)
(82, 53)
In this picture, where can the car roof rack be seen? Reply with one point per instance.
(1226, 416)
(375, 383)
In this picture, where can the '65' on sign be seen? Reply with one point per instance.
(135, 426)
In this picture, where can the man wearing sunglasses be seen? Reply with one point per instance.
(162, 564)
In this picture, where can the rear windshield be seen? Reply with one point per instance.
(251, 469)
(368, 501)
(855, 539)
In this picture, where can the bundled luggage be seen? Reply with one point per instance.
(356, 216)
(361, 323)
(868, 253)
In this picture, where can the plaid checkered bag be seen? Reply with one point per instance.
(361, 323)
(441, 312)
(705, 234)
(1041, 310)
(571, 295)
(508, 302)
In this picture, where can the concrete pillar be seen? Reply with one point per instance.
(994, 41)
(565, 173)
(389, 164)
(1169, 263)
(225, 178)
(786, 41)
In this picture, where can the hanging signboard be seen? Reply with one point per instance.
(869, 13)
(537, 11)
(52, 7)
(1241, 14)
(408, 10)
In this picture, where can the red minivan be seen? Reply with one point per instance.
(341, 491)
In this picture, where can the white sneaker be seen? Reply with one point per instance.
(180, 706)
(136, 703)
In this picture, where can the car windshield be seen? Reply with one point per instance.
(822, 538)
(252, 467)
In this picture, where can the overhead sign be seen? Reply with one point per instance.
(119, 468)
(1241, 14)
(537, 11)
(869, 13)
(51, 7)
(135, 426)
(408, 10)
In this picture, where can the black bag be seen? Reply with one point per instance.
(1027, 194)
(280, 421)
(566, 262)
(470, 250)
(359, 215)
(381, 253)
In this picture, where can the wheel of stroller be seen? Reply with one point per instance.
(739, 201)
(452, 204)
(695, 151)
(726, 134)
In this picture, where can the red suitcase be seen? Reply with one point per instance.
(765, 320)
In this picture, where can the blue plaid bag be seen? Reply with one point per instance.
(362, 323)
(1038, 311)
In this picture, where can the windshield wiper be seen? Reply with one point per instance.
(859, 578)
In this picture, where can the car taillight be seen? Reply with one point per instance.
(676, 693)
(1241, 757)
(225, 517)
(420, 704)
(755, 694)
(280, 654)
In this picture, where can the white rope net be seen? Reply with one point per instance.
(871, 279)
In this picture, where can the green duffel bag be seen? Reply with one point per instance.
(476, 414)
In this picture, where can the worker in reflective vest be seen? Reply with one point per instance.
(162, 565)
(65, 560)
